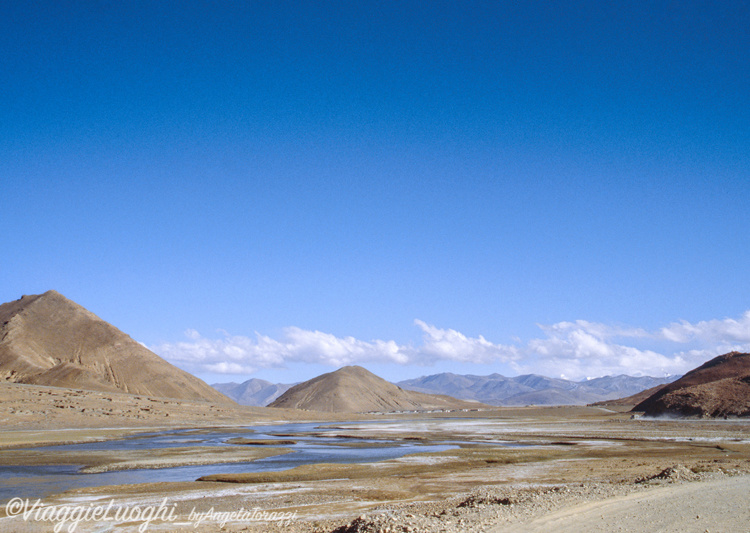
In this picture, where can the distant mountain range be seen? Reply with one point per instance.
(532, 389)
(257, 392)
(495, 389)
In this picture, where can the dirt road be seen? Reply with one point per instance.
(721, 505)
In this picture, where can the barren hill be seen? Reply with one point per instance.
(634, 399)
(353, 389)
(720, 387)
(47, 339)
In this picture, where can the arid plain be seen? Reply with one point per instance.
(507, 469)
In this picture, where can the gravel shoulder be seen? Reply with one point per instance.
(715, 502)
(715, 505)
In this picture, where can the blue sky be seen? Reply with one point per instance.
(273, 189)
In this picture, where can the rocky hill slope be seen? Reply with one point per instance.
(47, 339)
(355, 390)
(720, 387)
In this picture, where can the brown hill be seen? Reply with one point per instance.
(47, 339)
(635, 399)
(720, 387)
(353, 389)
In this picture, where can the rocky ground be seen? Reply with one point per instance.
(545, 508)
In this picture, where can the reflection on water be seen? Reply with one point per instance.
(41, 481)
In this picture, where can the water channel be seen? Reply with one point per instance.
(312, 446)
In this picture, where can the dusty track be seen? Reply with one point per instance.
(719, 505)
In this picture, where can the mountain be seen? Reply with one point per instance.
(633, 399)
(719, 387)
(353, 389)
(258, 392)
(46, 339)
(624, 384)
(529, 389)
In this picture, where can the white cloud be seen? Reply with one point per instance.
(581, 348)
(601, 331)
(449, 344)
(229, 355)
(236, 354)
(725, 330)
(575, 349)
(325, 348)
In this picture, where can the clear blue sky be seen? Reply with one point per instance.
(271, 189)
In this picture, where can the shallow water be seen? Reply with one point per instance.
(41, 481)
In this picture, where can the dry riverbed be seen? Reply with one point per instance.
(511, 470)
